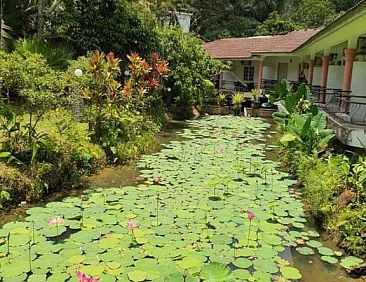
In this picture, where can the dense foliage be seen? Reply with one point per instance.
(275, 24)
(188, 83)
(334, 185)
(106, 25)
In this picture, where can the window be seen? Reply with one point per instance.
(248, 73)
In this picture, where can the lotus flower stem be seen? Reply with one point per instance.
(250, 216)
(82, 216)
(29, 255)
(157, 210)
(272, 177)
(250, 225)
(8, 252)
(250, 165)
(234, 247)
(33, 237)
(265, 177)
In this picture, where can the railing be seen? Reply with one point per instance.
(346, 107)
(237, 86)
(337, 103)
(322, 96)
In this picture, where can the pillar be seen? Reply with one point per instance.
(324, 78)
(260, 74)
(349, 56)
(311, 72)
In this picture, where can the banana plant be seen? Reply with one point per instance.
(307, 133)
(289, 102)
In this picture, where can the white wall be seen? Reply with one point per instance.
(293, 70)
(271, 66)
(236, 73)
(358, 86)
(335, 77)
(317, 75)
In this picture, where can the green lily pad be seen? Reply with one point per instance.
(329, 259)
(351, 262)
(137, 275)
(305, 251)
(290, 273)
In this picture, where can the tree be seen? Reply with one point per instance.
(275, 24)
(344, 5)
(106, 25)
(188, 83)
(313, 13)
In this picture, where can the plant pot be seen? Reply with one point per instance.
(256, 104)
(263, 99)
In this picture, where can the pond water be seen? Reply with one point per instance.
(192, 216)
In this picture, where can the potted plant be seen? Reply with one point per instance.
(238, 99)
(222, 99)
(255, 98)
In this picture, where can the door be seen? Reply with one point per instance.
(282, 71)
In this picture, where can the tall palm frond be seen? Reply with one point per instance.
(4, 33)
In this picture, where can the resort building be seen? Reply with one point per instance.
(331, 60)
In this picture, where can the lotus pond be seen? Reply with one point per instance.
(212, 208)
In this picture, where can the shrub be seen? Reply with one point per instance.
(57, 57)
(350, 226)
(58, 157)
(191, 69)
(15, 186)
(323, 180)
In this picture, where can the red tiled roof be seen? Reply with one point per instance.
(248, 46)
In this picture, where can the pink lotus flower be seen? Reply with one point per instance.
(157, 180)
(56, 220)
(250, 215)
(196, 146)
(131, 225)
(221, 150)
(82, 277)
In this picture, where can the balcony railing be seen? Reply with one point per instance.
(237, 86)
(346, 107)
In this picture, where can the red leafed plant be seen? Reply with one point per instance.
(145, 75)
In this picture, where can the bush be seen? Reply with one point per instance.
(57, 57)
(58, 157)
(15, 186)
(188, 83)
(350, 226)
(323, 181)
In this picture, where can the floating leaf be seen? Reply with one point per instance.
(305, 251)
(351, 262)
(329, 259)
(137, 275)
(290, 273)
